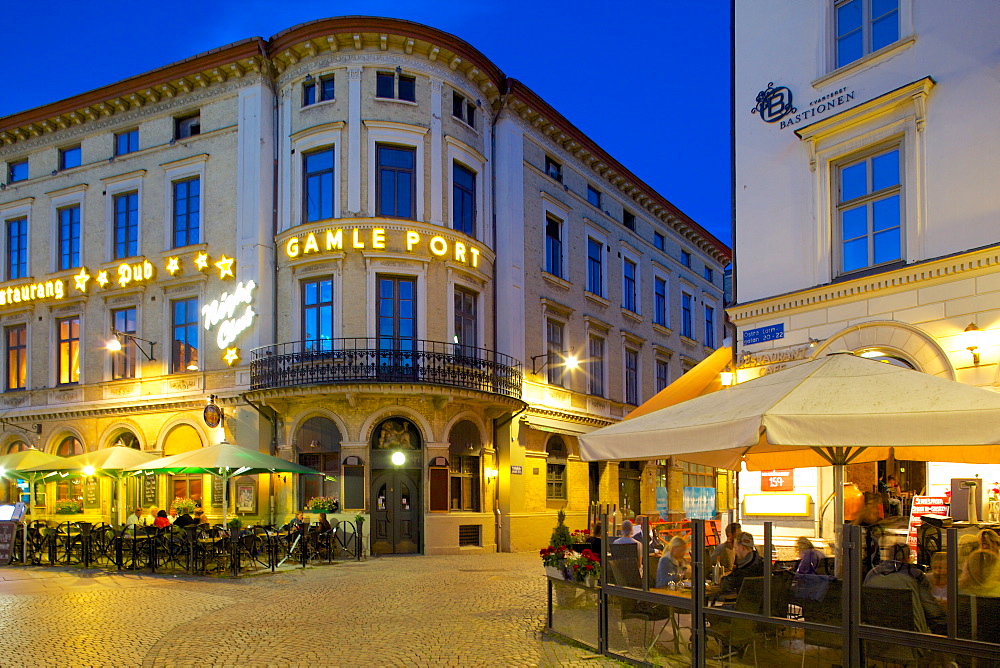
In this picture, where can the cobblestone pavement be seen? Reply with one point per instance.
(392, 611)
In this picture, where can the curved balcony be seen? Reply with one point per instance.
(372, 360)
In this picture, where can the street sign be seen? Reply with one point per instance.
(762, 334)
(515, 470)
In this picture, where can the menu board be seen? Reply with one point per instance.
(149, 490)
(923, 505)
(92, 493)
(216, 491)
(6, 541)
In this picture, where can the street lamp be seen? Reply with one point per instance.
(114, 344)
(568, 359)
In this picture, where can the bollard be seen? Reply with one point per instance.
(85, 528)
(359, 537)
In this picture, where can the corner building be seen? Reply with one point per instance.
(866, 208)
(376, 253)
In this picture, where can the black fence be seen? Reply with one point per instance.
(372, 360)
(851, 617)
(190, 550)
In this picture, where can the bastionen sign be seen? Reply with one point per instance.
(774, 105)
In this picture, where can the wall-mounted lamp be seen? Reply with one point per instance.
(491, 472)
(726, 378)
(971, 339)
(568, 360)
(398, 458)
(813, 342)
(115, 343)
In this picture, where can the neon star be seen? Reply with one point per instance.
(201, 261)
(225, 266)
(173, 266)
(81, 279)
(102, 277)
(232, 356)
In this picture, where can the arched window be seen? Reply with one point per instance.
(17, 446)
(555, 469)
(183, 438)
(69, 488)
(126, 439)
(465, 448)
(318, 443)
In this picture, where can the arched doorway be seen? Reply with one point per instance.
(71, 487)
(318, 444)
(182, 438)
(396, 507)
(464, 453)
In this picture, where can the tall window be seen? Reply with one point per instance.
(184, 340)
(628, 220)
(17, 357)
(553, 246)
(187, 126)
(68, 350)
(687, 322)
(555, 469)
(594, 196)
(865, 26)
(659, 241)
(317, 314)
(126, 142)
(660, 302)
(709, 274)
(123, 362)
(465, 445)
(662, 374)
(553, 169)
(397, 317)
(628, 286)
(187, 212)
(554, 344)
(126, 230)
(396, 184)
(466, 335)
(317, 185)
(17, 248)
(632, 376)
(396, 85)
(319, 442)
(686, 258)
(70, 157)
(69, 236)
(869, 211)
(595, 266)
(464, 199)
(595, 366)
(317, 90)
(17, 171)
(709, 326)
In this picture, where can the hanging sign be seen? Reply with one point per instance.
(777, 481)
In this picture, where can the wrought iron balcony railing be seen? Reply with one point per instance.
(377, 360)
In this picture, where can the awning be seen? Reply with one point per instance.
(557, 426)
(702, 379)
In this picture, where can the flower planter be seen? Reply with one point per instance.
(553, 572)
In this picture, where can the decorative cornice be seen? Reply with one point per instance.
(574, 418)
(50, 412)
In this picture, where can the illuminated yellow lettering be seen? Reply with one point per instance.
(124, 275)
(475, 256)
(358, 243)
(147, 269)
(378, 238)
(49, 289)
(60, 290)
(439, 246)
(34, 291)
(459, 251)
(334, 240)
(292, 247)
(3, 297)
(412, 239)
(311, 245)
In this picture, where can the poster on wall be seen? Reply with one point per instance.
(246, 495)
(699, 503)
(923, 505)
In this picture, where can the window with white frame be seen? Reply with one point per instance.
(687, 317)
(463, 199)
(187, 211)
(630, 275)
(631, 376)
(594, 196)
(863, 27)
(553, 169)
(555, 469)
(662, 374)
(125, 227)
(318, 184)
(709, 326)
(317, 314)
(660, 302)
(317, 89)
(184, 335)
(396, 86)
(17, 248)
(595, 266)
(553, 246)
(869, 210)
(123, 362)
(68, 221)
(68, 350)
(556, 368)
(463, 109)
(595, 366)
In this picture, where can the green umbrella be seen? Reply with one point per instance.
(20, 465)
(225, 461)
(114, 462)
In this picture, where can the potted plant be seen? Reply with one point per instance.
(585, 568)
(235, 524)
(555, 555)
(323, 504)
(184, 505)
(68, 506)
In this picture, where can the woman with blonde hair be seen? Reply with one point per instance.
(981, 575)
(809, 557)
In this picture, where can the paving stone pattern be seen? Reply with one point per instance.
(391, 611)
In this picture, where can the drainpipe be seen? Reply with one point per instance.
(272, 450)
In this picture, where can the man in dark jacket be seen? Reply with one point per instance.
(928, 616)
(748, 565)
(183, 520)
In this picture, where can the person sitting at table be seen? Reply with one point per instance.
(928, 617)
(594, 539)
(135, 519)
(723, 552)
(161, 520)
(200, 518)
(892, 488)
(981, 575)
(748, 564)
(324, 524)
(183, 520)
(297, 522)
(626, 538)
(172, 515)
(937, 577)
(673, 566)
(150, 517)
(809, 557)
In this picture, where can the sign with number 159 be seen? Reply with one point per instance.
(776, 481)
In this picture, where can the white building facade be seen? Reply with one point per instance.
(868, 212)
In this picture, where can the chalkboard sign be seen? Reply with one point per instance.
(216, 491)
(92, 493)
(149, 490)
(6, 541)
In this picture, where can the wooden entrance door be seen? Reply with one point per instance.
(396, 512)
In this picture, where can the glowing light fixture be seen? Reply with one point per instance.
(88, 470)
(491, 472)
(971, 339)
(114, 344)
(726, 378)
(568, 360)
(398, 458)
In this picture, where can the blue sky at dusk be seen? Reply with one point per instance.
(647, 80)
